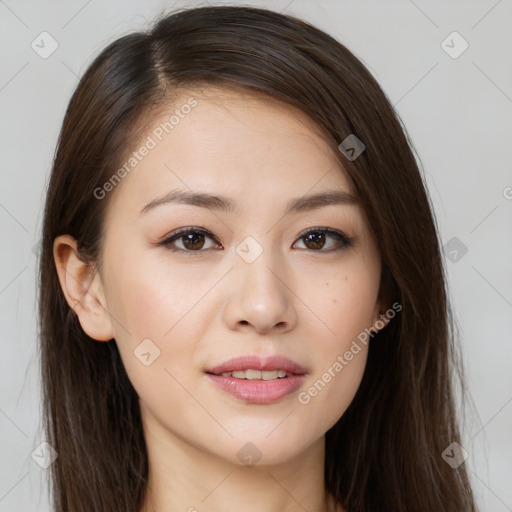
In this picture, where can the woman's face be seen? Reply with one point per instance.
(262, 279)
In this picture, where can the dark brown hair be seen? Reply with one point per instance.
(384, 454)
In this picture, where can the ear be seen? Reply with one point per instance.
(380, 319)
(384, 301)
(82, 288)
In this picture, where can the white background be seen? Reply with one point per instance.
(457, 112)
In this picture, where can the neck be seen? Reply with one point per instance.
(182, 477)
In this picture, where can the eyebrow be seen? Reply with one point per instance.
(220, 203)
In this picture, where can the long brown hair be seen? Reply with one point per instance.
(385, 453)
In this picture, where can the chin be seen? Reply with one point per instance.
(263, 449)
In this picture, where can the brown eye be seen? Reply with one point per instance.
(324, 240)
(191, 240)
(314, 240)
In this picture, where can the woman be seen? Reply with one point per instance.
(242, 297)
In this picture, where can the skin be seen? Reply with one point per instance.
(202, 309)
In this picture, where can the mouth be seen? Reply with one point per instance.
(258, 381)
(252, 374)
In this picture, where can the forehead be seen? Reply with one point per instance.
(232, 142)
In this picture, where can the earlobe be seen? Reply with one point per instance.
(380, 322)
(380, 319)
(82, 288)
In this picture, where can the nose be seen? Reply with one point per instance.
(260, 298)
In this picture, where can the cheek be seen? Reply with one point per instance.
(341, 362)
(154, 301)
(152, 298)
(345, 301)
(331, 389)
(147, 314)
(155, 351)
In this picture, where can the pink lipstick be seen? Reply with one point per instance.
(258, 380)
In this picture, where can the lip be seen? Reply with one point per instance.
(258, 363)
(258, 391)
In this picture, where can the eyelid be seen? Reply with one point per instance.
(188, 229)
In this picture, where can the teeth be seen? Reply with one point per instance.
(257, 374)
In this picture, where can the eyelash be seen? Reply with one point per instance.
(343, 240)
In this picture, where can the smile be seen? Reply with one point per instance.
(258, 381)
